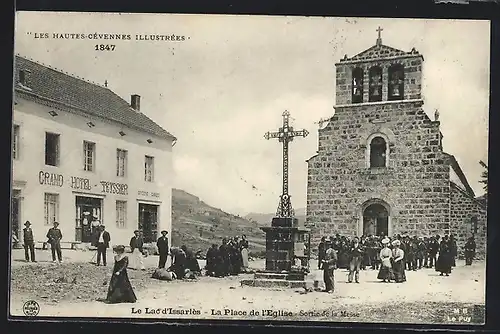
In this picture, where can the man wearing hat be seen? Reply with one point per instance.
(432, 250)
(321, 251)
(54, 235)
(29, 242)
(329, 264)
(136, 247)
(162, 245)
(421, 252)
(355, 257)
(103, 240)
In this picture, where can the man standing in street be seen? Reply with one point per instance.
(329, 264)
(54, 235)
(356, 256)
(136, 247)
(432, 250)
(162, 245)
(469, 251)
(421, 252)
(321, 251)
(102, 245)
(29, 242)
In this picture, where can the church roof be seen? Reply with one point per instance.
(380, 52)
(458, 171)
(71, 93)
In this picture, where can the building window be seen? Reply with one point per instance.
(22, 77)
(121, 214)
(51, 205)
(88, 156)
(52, 143)
(121, 162)
(357, 85)
(396, 82)
(15, 142)
(378, 149)
(149, 169)
(375, 76)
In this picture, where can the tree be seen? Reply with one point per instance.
(484, 176)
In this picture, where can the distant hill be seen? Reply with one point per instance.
(198, 225)
(264, 219)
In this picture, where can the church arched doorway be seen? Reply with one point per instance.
(376, 219)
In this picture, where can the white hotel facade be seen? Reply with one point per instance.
(83, 156)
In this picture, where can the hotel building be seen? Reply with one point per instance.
(83, 156)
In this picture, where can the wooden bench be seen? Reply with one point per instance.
(64, 244)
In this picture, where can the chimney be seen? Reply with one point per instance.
(135, 102)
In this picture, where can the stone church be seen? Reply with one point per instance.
(380, 165)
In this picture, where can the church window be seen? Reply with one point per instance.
(375, 84)
(396, 82)
(357, 85)
(378, 148)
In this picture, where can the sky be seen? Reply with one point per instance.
(222, 88)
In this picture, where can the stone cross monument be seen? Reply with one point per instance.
(287, 245)
(284, 239)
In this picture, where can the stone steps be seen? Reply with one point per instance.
(274, 283)
(270, 276)
(282, 276)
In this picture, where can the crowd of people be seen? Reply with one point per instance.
(391, 256)
(230, 258)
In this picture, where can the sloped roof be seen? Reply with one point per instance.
(379, 52)
(89, 98)
(456, 168)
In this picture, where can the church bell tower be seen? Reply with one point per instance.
(379, 74)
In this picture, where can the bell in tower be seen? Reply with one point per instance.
(396, 82)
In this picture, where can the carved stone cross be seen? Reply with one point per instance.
(285, 135)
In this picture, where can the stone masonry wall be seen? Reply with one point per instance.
(463, 208)
(415, 184)
(412, 81)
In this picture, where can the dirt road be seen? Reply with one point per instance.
(226, 299)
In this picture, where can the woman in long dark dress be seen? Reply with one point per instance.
(179, 264)
(225, 256)
(120, 290)
(191, 260)
(469, 251)
(235, 256)
(398, 265)
(385, 255)
(454, 250)
(445, 259)
(343, 258)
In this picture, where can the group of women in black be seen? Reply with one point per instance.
(230, 258)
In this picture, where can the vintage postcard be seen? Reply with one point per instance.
(217, 167)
